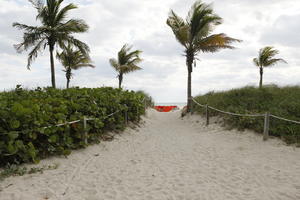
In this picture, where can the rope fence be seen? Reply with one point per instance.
(266, 116)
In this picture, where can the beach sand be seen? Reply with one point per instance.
(168, 158)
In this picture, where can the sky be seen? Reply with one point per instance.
(142, 23)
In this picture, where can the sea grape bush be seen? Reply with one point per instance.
(283, 102)
(26, 113)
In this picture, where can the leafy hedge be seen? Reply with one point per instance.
(283, 102)
(24, 114)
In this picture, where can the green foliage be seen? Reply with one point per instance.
(25, 114)
(15, 170)
(283, 102)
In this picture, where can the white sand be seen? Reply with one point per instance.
(169, 158)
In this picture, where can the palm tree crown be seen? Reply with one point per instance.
(195, 34)
(54, 30)
(266, 59)
(72, 60)
(126, 62)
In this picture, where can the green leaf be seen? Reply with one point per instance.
(20, 144)
(17, 109)
(11, 148)
(31, 151)
(13, 135)
(53, 138)
(14, 124)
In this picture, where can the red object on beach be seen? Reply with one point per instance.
(165, 108)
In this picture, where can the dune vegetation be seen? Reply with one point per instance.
(28, 130)
(280, 101)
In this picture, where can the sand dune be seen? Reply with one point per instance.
(169, 158)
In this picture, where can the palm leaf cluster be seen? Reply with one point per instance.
(266, 59)
(126, 62)
(54, 30)
(195, 34)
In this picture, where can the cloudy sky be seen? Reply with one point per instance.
(143, 23)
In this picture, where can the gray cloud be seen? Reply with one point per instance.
(285, 31)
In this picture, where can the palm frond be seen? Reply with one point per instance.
(215, 43)
(135, 61)
(274, 61)
(266, 57)
(201, 19)
(29, 40)
(256, 62)
(34, 53)
(38, 4)
(125, 69)
(25, 27)
(83, 65)
(73, 26)
(179, 28)
(131, 56)
(65, 40)
(61, 15)
(114, 63)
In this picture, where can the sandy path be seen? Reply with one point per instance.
(169, 158)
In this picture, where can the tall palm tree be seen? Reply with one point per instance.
(266, 59)
(126, 62)
(195, 34)
(72, 60)
(54, 30)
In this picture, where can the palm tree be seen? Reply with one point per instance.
(126, 62)
(54, 30)
(195, 34)
(266, 59)
(73, 60)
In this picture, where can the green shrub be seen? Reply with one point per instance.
(149, 102)
(283, 102)
(24, 113)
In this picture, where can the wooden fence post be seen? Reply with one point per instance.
(207, 114)
(85, 130)
(126, 116)
(145, 106)
(137, 113)
(192, 110)
(266, 126)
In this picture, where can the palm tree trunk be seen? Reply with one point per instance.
(120, 80)
(189, 91)
(68, 83)
(261, 72)
(51, 48)
(68, 76)
(189, 62)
